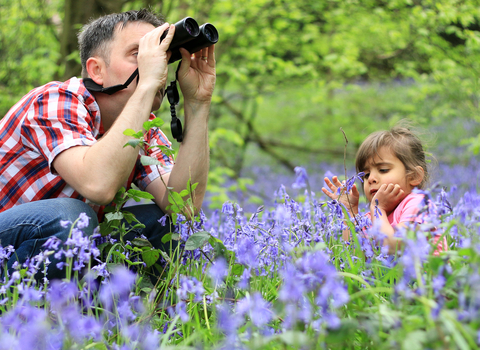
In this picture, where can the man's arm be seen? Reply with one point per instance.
(98, 171)
(197, 81)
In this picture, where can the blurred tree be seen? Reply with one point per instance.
(76, 14)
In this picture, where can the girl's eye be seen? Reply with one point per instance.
(366, 176)
(383, 171)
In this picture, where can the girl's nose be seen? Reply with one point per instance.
(372, 179)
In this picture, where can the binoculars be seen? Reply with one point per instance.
(191, 37)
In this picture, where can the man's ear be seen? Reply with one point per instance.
(417, 177)
(95, 69)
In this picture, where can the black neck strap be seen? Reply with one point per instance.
(171, 92)
(94, 87)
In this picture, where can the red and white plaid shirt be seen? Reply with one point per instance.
(46, 122)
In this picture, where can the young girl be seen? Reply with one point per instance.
(394, 164)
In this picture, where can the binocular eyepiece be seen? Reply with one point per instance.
(191, 37)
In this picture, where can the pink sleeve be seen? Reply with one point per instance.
(408, 209)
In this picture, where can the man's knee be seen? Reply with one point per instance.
(70, 211)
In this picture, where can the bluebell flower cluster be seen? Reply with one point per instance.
(273, 271)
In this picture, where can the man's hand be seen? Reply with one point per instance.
(388, 196)
(197, 75)
(153, 57)
(351, 203)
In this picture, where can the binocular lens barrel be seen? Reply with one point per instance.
(191, 37)
(185, 30)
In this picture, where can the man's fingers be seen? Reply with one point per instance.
(169, 37)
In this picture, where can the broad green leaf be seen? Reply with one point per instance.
(141, 242)
(130, 132)
(134, 143)
(150, 257)
(167, 237)
(197, 240)
(114, 216)
(137, 195)
(157, 122)
(237, 269)
(175, 198)
(147, 160)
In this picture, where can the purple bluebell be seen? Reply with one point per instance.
(256, 308)
(218, 271)
(301, 180)
(190, 285)
(83, 221)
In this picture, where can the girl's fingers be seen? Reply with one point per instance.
(328, 193)
(330, 185)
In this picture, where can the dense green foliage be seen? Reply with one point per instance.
(291, 73)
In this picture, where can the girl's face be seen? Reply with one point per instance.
(385, 168)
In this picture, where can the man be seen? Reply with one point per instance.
(62, 146)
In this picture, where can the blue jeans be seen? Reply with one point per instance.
(28, 226)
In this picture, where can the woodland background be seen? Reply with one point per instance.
(291, 73)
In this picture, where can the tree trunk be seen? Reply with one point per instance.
(77, 13)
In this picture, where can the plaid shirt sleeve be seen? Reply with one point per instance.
(144, 175)
(57, 120)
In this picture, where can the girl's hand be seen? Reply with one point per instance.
(351, 203)
(388, 196)
(197, 75)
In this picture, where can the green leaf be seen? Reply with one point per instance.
(150, 257)
(137, 195)
(114, 216)
(197, 240)
(96, 346)
(141, 242)
(157, 122)
(167, 237)
(237, 269)
(134, 143)
(165, 256)
(414, 340)
(145, 284)
(294, 338)
(130, 132)
(175, 198)
(129, 217)
(147, 160)
(220, 250)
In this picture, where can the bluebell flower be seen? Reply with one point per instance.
(53, 243)
(65, 223)
(83, 221)
(228, 208)
(247, 252)
(244, 281)
(377, 212)
(301, 180)
(218, 271)
(190, 285)
(438, 282)
(228, 322)
(6, 253)
(256, 308)
(163, 220)
(181, 310)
